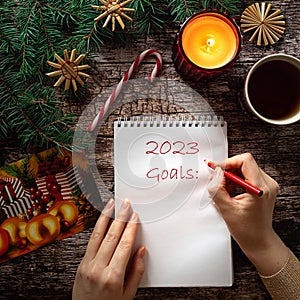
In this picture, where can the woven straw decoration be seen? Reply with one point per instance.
(268, 27)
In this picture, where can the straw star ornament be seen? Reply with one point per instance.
(268, 27)
(113, 10)
(68, 69)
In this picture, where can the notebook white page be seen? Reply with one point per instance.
(159, 167)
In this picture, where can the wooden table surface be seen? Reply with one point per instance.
(48, 273)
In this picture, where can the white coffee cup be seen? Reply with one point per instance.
(272, 89)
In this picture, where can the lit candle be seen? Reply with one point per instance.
(206, 45)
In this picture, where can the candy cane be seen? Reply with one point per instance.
(126, 77)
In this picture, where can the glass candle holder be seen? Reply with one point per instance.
(207, 44)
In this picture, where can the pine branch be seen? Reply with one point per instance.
(182, 9)
(8, 33)
(9, 84)
(32, 115)
(39, 36)
(37, 120)
(30, 32)
(4, 127)
(149, 16)
(86, 34)
(229, 6)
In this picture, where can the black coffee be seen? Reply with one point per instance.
(274, 90)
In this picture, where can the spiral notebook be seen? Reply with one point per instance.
(159, 167)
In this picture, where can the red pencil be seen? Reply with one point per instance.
(237, 179)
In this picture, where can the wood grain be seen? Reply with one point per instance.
(48, 273)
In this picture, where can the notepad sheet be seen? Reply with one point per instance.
(160, 168)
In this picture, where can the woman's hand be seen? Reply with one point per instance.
(104, 272)
(249, 217)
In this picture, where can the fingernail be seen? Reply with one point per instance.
(125, 204)
(142, 251)
(215, 180)
(108, 207)
(218, 170)
(217, 174)
(110, 203)
(134, 218)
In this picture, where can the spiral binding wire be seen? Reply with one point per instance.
(168, 121)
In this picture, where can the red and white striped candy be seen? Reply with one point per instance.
(126, 77)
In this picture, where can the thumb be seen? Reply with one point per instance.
(135, 274)
(217, 188)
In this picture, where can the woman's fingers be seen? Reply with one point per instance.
(248, 166)
(135, 273)
(103, 271)
(112, 237)
(99, 230)
(123, 251)
(217, 189)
